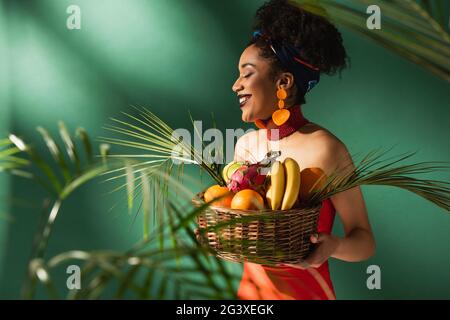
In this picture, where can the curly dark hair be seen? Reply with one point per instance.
(319, 41)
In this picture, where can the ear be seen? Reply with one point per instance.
(285, 81)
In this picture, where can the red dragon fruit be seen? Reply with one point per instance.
(248, 176)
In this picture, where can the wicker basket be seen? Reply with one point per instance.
(273, 237)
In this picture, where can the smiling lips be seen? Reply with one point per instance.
(243, 98)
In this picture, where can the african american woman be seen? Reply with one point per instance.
(289, 49)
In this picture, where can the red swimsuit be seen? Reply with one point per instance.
(261, 282)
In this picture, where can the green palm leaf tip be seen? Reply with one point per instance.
(9, 159)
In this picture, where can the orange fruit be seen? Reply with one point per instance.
(247, 199)
(308, 177)
(217, 191)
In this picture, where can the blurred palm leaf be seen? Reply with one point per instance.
(60, 175)
(146, 271)
(416, 30)
(62, 171)
(8, 157)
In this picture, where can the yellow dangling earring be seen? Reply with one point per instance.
(282, 114)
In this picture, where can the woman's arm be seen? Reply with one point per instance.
(358, 243)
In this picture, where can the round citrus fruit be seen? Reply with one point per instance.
(217, 191)
(247, 199)
(309, 177)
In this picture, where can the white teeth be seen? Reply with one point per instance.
(243, 99)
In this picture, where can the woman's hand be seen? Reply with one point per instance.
(326, 246)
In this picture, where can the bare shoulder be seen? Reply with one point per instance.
(322, 137)
(330, 152)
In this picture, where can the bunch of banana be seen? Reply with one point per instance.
(284, 184)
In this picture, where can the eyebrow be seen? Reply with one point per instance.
(247, 64)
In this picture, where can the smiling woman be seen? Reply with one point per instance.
(254, 86)
(290, 49)
(282, 62)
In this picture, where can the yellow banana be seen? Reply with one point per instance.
(292, 183)
(275, 192)
(269, 195)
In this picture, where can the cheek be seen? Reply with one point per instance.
(264, 98)
(260, 90)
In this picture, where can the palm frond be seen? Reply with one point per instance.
(373, 170)
(154, 135)
(60, 176)
(152, 175)
(8, 157)
(415, 31)
(136, 271)
(149, 185)
(67, 171)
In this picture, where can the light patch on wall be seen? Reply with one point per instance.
(151, 42)
(49, 82)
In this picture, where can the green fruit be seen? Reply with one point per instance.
(225, 169)
(230, 168)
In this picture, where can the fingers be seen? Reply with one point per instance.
(316, 258)
(318, 237)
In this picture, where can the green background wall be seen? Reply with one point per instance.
(172, 56)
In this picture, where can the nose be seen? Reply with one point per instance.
(237, 85)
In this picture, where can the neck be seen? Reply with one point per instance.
(296, 121)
